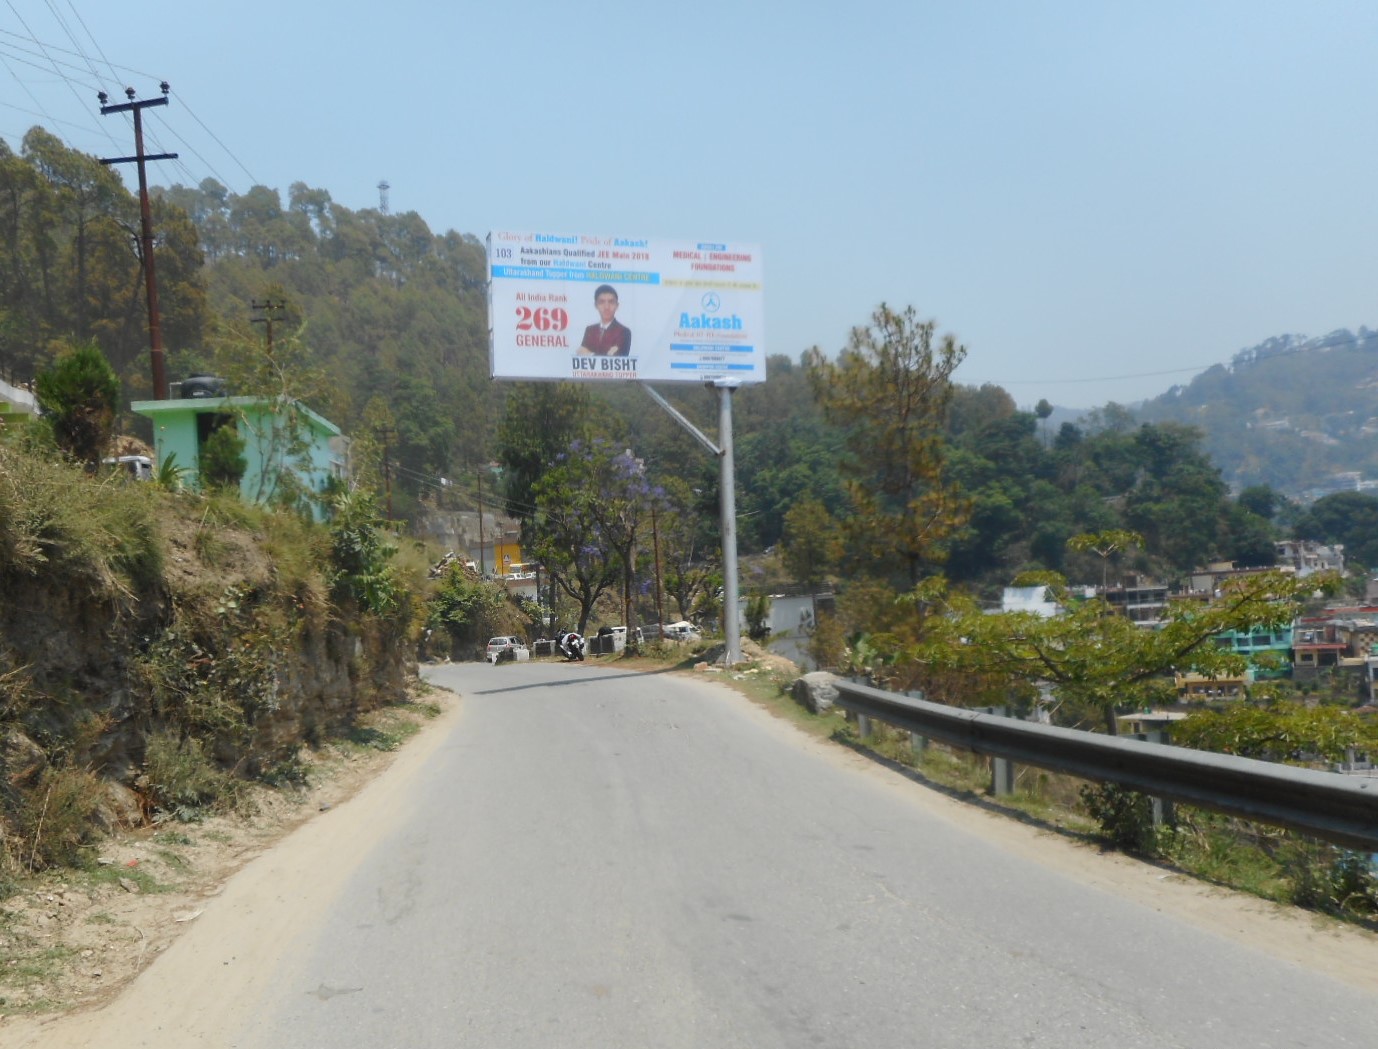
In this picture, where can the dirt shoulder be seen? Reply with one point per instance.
(71, 940)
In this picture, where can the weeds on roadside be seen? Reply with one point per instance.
(56, 819)
(183, 782)
(109, 874)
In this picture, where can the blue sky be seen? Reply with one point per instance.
(1098, 199)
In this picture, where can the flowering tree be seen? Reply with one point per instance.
(592, 506)
(689, 548)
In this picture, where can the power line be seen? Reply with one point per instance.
(43, 48)
(91, 36)
(1103, 378)
(53, 64)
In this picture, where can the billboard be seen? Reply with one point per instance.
(593, 308)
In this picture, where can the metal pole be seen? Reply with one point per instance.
(660, 607)
(728, 496)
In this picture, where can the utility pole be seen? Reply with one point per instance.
(386, 433)
(267, 306)
(480, 523)
(155, 332)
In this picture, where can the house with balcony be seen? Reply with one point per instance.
(1307, 557)
(1316, 644)
(1141, 602)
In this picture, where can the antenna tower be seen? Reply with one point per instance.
(383, 188)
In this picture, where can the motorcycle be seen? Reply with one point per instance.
(572, 645)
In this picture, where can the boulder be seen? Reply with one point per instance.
(816, 691)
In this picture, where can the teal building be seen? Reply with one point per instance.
(289, 448)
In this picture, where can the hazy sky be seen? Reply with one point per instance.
(1098, 199)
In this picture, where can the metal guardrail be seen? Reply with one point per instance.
(1325, 805)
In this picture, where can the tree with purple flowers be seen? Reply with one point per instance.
(592, 507)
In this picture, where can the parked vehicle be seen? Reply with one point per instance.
(506, 648)
(572, 646)
(139, 467)
(681, 631)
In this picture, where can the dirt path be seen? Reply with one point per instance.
(207, 933)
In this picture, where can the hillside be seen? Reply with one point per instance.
(1295, 413)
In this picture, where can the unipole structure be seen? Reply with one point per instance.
(727, 494)
(155, 331)
(727, 504)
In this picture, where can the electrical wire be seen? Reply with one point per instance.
(56, 68)
(64, 69)
(1102, 378)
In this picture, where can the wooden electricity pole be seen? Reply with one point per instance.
(387, 433)
(267, 306)
(155, 332)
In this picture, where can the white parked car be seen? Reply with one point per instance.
(506, 647)
(682, 631)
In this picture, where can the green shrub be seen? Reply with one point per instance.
(1330, 879)
(80, 394)
(1125, 816)
(182, 781)
(361, 556)
(222, 463)
(56, 817)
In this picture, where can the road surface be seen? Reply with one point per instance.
(582, 857)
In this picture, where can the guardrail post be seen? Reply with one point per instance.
(918, 743)
(1002, 773)
(863, 726)
(1161, 808)
(1002, 770)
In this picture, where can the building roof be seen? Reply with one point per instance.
(200, 405)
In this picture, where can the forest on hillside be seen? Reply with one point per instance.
(1291, 413)
(380, 325)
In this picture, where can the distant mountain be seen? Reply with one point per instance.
(1297, 413)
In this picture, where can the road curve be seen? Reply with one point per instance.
(583, 857)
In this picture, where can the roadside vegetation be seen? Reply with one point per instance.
(158, 649)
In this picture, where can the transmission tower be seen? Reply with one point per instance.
(383, 188)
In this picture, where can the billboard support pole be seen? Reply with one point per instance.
(727, 497)
(727, 502)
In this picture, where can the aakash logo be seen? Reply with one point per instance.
(710, 302)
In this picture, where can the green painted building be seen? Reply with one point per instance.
(1250, 643)
(289, 448)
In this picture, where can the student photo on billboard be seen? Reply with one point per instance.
(608, 337)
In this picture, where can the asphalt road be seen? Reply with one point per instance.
(600, 859)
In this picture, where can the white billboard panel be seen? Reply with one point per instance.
(579, 307)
